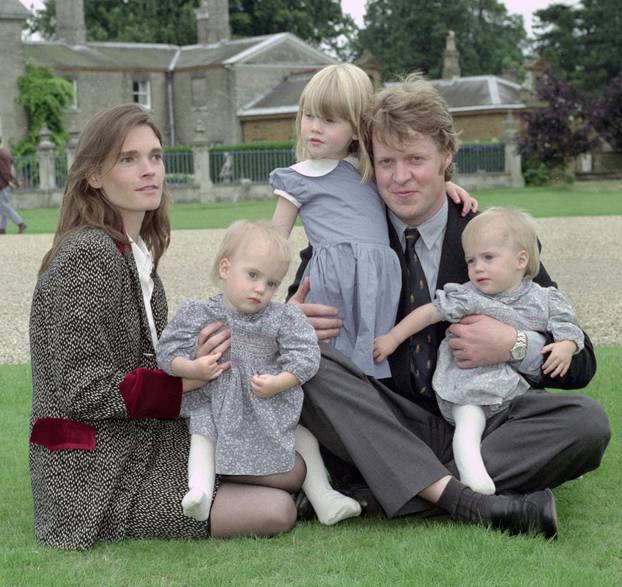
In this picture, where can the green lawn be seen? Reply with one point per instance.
(357, 552)
(578, 199)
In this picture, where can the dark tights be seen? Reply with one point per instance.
(256, 505)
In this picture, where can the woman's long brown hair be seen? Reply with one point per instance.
(84, 206)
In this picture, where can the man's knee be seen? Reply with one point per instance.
(590, 425)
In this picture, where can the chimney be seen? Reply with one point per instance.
(70, 25)
(451, 58)
(213, 21)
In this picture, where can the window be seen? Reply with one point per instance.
(141, 93)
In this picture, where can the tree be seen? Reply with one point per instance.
(582, 42)
(319, 22)
(142, 21)
(560, 130)
(606, 113)
(409, 35)
(43, 95)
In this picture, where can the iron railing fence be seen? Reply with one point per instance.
(472, 158)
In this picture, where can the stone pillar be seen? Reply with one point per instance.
(70, 25)
(451, 58)
(213, 21)
(72, 143)
(45, 154)
(512, 154)
(200, 156)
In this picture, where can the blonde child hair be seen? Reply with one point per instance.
(515, 228)
(342, 91)
(246, 233)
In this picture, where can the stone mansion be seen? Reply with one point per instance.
(212, 82)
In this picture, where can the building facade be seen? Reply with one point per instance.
(205, 84)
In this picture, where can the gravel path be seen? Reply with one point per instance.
(592, 279)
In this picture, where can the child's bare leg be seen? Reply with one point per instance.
(329, 505)
(201, 478)
(470, 423)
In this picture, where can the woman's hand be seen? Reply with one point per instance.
(213, 340)
(461, 196)
(323, 318)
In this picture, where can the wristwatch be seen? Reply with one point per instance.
(519, 350)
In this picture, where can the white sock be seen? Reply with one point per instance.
(329, 505)
(201, 478)
(470, 423)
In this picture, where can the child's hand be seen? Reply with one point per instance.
(384, 346)
(461, 196)
(266, 385)
(557, 363)
(207, 368)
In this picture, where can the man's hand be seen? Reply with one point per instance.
(481, 340)
(559, 359)
(384, 346)
(323, 318)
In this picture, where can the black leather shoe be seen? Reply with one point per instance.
(533, 513)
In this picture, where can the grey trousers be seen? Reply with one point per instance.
(542, 440)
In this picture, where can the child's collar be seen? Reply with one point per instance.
(320, 167)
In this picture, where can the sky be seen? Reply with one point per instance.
(357, 8)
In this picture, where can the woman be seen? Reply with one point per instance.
(108, 453)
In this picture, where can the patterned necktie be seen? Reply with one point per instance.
(422, 351)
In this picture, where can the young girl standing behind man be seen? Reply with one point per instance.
(352, 268)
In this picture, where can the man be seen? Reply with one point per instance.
(392, 431)
(6, 183)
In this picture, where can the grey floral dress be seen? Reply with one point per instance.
(253, 435)
(530, 307)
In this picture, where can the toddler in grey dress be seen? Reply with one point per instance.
(501, 251)
(243, 421)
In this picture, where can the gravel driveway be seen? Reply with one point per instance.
(591, 279)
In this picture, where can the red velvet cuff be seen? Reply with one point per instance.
(59, 434)
(151, 393)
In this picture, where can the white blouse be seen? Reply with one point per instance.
(144, 265)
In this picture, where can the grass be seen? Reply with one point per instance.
(357, 552)
(579, 199)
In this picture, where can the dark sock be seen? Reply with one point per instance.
(465, 504)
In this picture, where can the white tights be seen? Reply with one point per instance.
(329, 505)
(470, 422)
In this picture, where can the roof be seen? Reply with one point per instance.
(283, 99)
(462, 94)
(115, 56)
(13, 9)
(479, 92)
(160, 57)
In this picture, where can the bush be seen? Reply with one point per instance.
(535, 172)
